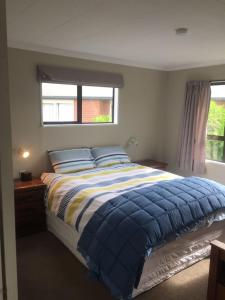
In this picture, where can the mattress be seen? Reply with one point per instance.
(165, 261)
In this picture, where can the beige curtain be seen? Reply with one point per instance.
(191, 154)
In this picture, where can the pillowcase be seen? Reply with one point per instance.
(107, 156)
(70, 161)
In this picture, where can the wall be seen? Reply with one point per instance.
(173, 108)
(7, 218)
(139, 111)
(150, 108)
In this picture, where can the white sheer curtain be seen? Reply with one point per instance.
(191, 154)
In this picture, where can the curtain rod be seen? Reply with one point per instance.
(217, 81)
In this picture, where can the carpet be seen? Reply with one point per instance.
(47, 270)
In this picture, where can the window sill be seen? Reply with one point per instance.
(214, 162)
(79, 125)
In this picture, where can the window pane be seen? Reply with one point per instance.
(97, 104)
(58, 89)
(66, 111)
(59, 102)
(216, 119)
(214, 150)
(49, 112)
(216, 124)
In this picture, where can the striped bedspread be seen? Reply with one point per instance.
(75, 197)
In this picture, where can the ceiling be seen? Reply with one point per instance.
(131, 32)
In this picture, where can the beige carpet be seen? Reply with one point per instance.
(48, 271)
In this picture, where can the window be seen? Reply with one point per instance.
(215, 146)
(75, 104)
(59, 103)
(97, 104)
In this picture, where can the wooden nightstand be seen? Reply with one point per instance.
(152, 163)
(216, 281)
(29, 207)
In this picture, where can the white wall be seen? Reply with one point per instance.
(173, 108)
(139, 111)
(150, 108)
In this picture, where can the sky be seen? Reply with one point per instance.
(218, 91)
(54, 89)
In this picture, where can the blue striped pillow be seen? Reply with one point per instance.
(107, 156)
(70, 161)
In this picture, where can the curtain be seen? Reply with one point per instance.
(191, 155)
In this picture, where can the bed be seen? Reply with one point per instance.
(73, 199)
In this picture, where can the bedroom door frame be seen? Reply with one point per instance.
(7, 215)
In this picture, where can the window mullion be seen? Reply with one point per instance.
(224, 146)
(79, 104)
(113, 105)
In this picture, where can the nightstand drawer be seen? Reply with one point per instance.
(23, 229)
(23, 211)
(29, 203)
(29, 207)
(29, 218)
(29, 195)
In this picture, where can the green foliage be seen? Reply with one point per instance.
(214, 150)
(102, 119)
(216, 125)
(216, 119)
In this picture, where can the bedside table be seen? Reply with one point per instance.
(152, 164)
(216, 280)
(29, 206)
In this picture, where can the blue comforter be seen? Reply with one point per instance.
(123, 231)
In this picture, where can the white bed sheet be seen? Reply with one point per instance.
(165, 261)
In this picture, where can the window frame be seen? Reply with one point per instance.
(79, 108)
(220, 138)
